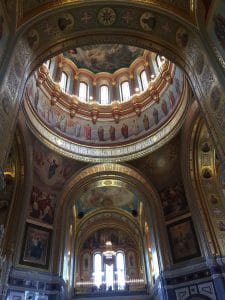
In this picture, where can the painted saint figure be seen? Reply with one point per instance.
(124, 131)
(135, 127)
(146, 122)
(52, 168)
(112, 133)
(101, 133)
(77, 129)
(156, 115)
(172, 98)
(164, 107)
(87, 132)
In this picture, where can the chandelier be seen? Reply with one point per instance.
(109, 253)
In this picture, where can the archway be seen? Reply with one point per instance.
(182, 45)
(99, 183)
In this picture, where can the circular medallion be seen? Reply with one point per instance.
(106, 16)
(181, 37)
(147, 21)
(66, 22)
(33, 39)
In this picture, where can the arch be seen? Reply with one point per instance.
(107, 171)
(187, 52)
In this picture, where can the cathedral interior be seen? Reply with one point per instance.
(112, 152)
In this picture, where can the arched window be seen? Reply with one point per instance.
(83, 91)
(104, 94)
(97, 269)
(48, 63)
(63, 81)
(143, 80)
(160, 60)
(120, 266)
(125, 91)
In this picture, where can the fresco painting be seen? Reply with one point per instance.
(51, 171)
(104, 58)
(36, 245)
(100, 237)
(51, 168)
(183, 241)
(106, 132)
(216, 26)
(173, 201)
(110, 196)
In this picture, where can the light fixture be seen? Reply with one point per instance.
(109, 253)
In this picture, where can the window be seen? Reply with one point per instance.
(120, 265)
(160, 60)
(48, 63)
(63, 81)
(125, 91)
(143, 80)
(98, 269)
(83, 91)
(104, 94)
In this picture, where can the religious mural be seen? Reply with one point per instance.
(183, 241)
(51, 171)
(36, 246)
(216, 26)
(107, 196)
(104, 58)
(106, 132)
(174, 201)
(118, 238)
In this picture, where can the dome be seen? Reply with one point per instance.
(106, 102)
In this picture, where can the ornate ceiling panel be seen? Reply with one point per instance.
(33, 8)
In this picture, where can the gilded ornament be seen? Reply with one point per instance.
(106, 16)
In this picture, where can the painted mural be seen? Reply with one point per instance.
(174, 201)
(51, 171)
(106, 132)
(216, 26)
(104, 58)
(4, 33)
(107, 196)
(118, 238)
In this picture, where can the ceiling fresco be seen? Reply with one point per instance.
(50, 173)
(162, 167)
(105, 131)
(105, 194)
(118, 238)
(104, 58)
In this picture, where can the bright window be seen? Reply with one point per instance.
(104, 94)
(120, 265)
(109, 276)
(83, 91)
(144, 80)
(63, 81)
(48, 63)
(98, 269)
(125, 90)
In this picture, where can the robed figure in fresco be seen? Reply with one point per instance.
(87, 132)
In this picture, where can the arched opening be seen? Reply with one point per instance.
(184, 47)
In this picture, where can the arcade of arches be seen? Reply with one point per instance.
(112, 173)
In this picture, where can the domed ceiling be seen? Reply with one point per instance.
(104, 58)
(102, 133)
